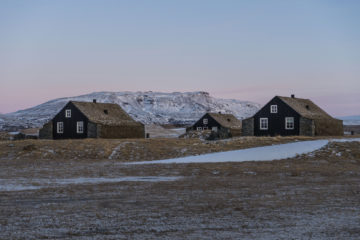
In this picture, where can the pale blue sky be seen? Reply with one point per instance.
(248, 50)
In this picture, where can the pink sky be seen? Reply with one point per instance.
(239, 49)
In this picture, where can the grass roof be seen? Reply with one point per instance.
(306, 108)
(226, 120)
(105, 113)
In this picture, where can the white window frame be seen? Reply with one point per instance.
(60, 127)
(80, 127)
(205, 121)
(68, 113)
(214, 129)
(199, 128)
(273, 108)
(267, 124)
(292, 121)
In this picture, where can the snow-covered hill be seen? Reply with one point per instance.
(351, 120)
(146, 107)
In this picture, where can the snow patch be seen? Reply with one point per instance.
(7, 185)
(267, 153)
(116, 150)
(16, 187)
(346, 140)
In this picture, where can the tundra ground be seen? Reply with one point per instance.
(313, 196)
(129, 149)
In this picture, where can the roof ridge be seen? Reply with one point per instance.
(92, 102)
(293, 97)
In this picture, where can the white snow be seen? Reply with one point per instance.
(351, 120)
(26, 184)
(116, 150)
(113, 180)
(345, 140)
(16, 187)
(13, 133)
(267, 153)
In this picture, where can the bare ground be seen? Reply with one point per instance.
(314, 196)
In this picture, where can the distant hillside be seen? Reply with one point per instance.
(146, 107)
(351, 120)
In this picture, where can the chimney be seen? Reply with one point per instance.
(94, 100)
(292, 95)
(307, 107)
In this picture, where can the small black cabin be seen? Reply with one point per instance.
(92, 120)
(218, 122)
(288, 116)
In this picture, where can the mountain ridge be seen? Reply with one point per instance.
(148, 107)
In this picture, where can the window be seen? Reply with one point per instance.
(205, 121)
(205, 128)
(80, 127)
(199, 128)
(68, 113)
(273, 109)
(264, 124)
(289, 123)
(215, 129)
(60, 127)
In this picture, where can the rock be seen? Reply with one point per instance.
(30, 147)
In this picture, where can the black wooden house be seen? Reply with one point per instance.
(92, 120)
(289, 116)
(218, 122)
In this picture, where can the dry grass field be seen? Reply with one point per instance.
(129, 149)
(312, 196)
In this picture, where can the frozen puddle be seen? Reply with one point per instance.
(33, 184)
(267, 153)
(16, 187)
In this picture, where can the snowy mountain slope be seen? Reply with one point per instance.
(146, 107)
(351, 120)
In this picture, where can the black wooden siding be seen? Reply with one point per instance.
(211, 123)
(276, 120)
(70, 124)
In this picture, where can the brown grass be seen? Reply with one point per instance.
(310, 196)
(129, 149)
